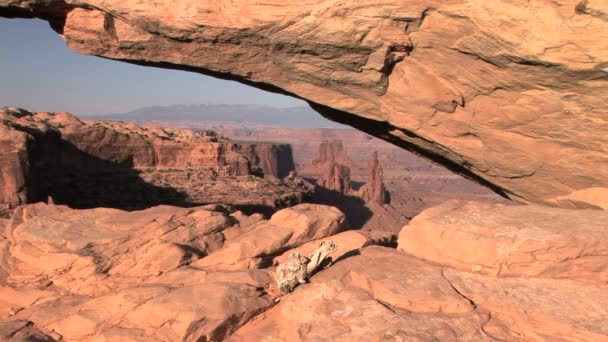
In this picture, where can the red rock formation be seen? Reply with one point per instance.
(337, 178)
(332, 151)
(201, 273)
(521, 107)
(373, 190)
(81, 163)
(147, 269)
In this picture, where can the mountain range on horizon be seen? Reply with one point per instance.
(290, 117)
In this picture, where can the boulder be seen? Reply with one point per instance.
(286, 229)
(500, 240)
(309, 222)
(379, 295)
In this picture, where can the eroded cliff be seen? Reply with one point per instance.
(58, 157)
(512, 93)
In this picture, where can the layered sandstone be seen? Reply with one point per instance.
(509, 92)
(105, 163)
(548, 290)
(337, 179)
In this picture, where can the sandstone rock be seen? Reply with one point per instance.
(525, 309)
(348, 243)
(590, 197)
(23, 331)
(309, 222)
(106, 274)
(503, 240)
(520, 106)
(337, 178)
(400, 281)
(245, 250)
(286, 229)
(56, 156)
(359, 299)
(373, 190)
(383, 294)
(91, 251)
(332, 151)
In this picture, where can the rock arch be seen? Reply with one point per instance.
(512, 93)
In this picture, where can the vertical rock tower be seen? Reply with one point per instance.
(373, 190)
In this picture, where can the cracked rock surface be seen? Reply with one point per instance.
(205, 273)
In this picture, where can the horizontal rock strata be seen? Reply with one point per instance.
(111, 163)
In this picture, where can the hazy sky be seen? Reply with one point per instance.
(38, 72)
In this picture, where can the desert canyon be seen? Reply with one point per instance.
(121, 231)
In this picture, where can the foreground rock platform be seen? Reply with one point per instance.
(125, 276)
(208, 273)
(510, 92)
(383, 294)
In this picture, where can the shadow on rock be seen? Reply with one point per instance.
(355, 208)
(73, 177)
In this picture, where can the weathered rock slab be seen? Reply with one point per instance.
(529, 309)
(528, 240)
(286, 229)
(379, 295)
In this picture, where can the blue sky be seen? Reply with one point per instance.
(38, 72)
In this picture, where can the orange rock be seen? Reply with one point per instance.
(503, 240)
(373, 190)
(110, 274)
(115, 164)
(361, 299)
(309, 222)
(348, 243)
(532, 309)
(519, 106)
(286, 229)
(400, 281)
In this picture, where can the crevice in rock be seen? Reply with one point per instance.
(456, 290)
(483, 326)
(386, 305)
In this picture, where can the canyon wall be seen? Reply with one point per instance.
(512, 93)
(45, 154)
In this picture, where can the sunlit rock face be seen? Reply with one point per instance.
(513, 93)
(57, 157)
